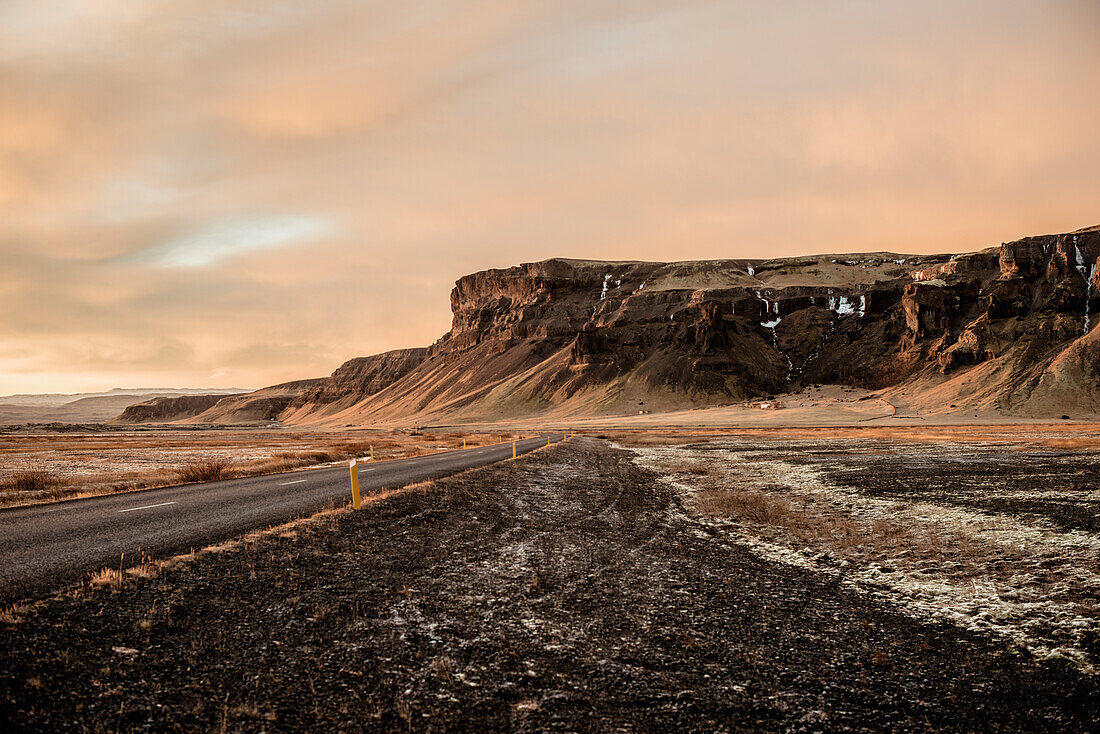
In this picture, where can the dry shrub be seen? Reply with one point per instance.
(14, 614)
(110, 577)
(797, 520)
(35, 480)
(751, 505)
(33, 484)
(206, 470)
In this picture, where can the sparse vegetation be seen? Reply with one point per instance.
(110, 577)
(32, 483)
(28, 481)
(206, 470)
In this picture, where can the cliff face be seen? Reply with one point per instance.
(354, 380)
(164, 410)
(261, 405)
(582, 337)
(257, 406)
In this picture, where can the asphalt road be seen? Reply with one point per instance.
(44, 547)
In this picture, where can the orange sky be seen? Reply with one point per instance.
(222, 192)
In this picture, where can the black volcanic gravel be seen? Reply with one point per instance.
(565, 591)
(1055, 487)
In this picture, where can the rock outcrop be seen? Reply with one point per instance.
(164, 410)
(572, 337)
(258, 406)
(355, 379)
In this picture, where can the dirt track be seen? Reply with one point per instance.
(565, 591)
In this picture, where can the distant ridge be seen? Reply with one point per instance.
(62, 398)
(84, 407)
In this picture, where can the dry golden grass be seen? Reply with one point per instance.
(29, 481)
(110, 577)
(800, 520)
(206, 470)
(14, 614)
(35, 483)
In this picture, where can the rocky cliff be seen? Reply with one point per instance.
(354, 380)
(262, 405)
(251, 407)
(570, 337)
(167, 409)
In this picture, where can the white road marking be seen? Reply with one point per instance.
(296, 481)
(146, 507)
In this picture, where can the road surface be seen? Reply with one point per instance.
(43, 547)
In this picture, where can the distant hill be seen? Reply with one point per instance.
(84, 407)
(56, 399)
(249, 407)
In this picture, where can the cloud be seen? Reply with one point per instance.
(204, 175)
(212, 244)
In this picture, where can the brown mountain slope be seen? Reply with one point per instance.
(251, 407)
(166, 409)
(261, 405)
(354, 379)
(1001, 328)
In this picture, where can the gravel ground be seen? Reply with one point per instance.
(567, 591)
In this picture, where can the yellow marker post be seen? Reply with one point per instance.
(547, 440)
(372, 453)
(355, 485)
(513, 451)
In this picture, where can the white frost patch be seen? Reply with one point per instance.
(606, 280)
(1022, 604)
(751, 270)
(845, 305)
(1088, 296)
(1087, 273)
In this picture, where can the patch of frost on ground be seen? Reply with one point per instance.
(1020, 605)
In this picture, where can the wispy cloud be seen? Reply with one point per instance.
(210, 245)
(261, 189)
